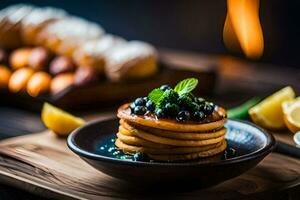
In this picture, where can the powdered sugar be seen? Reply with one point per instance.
(41, 15)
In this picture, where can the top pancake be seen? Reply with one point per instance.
(217, 121)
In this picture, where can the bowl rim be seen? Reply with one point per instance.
(262, 152)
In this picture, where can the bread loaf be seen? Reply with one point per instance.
(65, 35)
(10, 25)
(133, 60)
(36, 20)
(92, 53)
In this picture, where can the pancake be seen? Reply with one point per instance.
(126, 131)
(174, 142)
(136, 141)
(171, 151)
(171, 134)
(169, 140)
(215, 122)
(189, 156)
(128, 148)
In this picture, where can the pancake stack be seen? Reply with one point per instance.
(168, 140)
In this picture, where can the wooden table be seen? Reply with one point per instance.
(277, 177)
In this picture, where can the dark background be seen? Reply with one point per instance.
(191, 25)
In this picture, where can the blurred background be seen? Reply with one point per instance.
(189, 25)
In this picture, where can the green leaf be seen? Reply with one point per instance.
(156, 95)
(241, 112)
(186, 86)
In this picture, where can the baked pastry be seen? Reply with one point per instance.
(38, 83)
(172, 125)
(19, 58)
(36, 20)
(39, 58)
(92, 53)
(65, 35)
(10, 25)
(132, 60)
(85, 75)
(76, 41)
(61, 82)
(19, 79)
(61, 64)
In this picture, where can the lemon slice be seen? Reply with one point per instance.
(268, 113)
(59, 121)
(291, 111)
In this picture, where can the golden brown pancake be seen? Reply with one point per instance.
(129, 129)
(128, 148)
(169, 140)
(190, 156)
(168, 151)
(136, 141)
(174, 142)
(216, 122)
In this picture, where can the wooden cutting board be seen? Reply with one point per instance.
(42, 163)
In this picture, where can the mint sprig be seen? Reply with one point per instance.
(183, 87)
(156, 96)
(186, 86)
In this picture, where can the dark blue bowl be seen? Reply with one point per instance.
(251, 143)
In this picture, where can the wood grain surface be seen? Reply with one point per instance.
(42, 163)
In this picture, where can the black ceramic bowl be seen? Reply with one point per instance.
(251, 143)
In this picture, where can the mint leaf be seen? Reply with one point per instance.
(186, 86)
(156, 95)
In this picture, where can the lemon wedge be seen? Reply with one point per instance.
(59, 121)
(291, 111)
(268, 113)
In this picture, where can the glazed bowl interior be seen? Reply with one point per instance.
(245, 138)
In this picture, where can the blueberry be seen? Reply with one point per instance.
(160, 113)
(183, 116)
(139, 101)
(139, 110)
(150, 105)
(229, 153)
(146, 99)
(138, 156)
(198, 116)
(165, 87)
(201, 107)
(172, 109)
(132, 106)
(208, 108)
